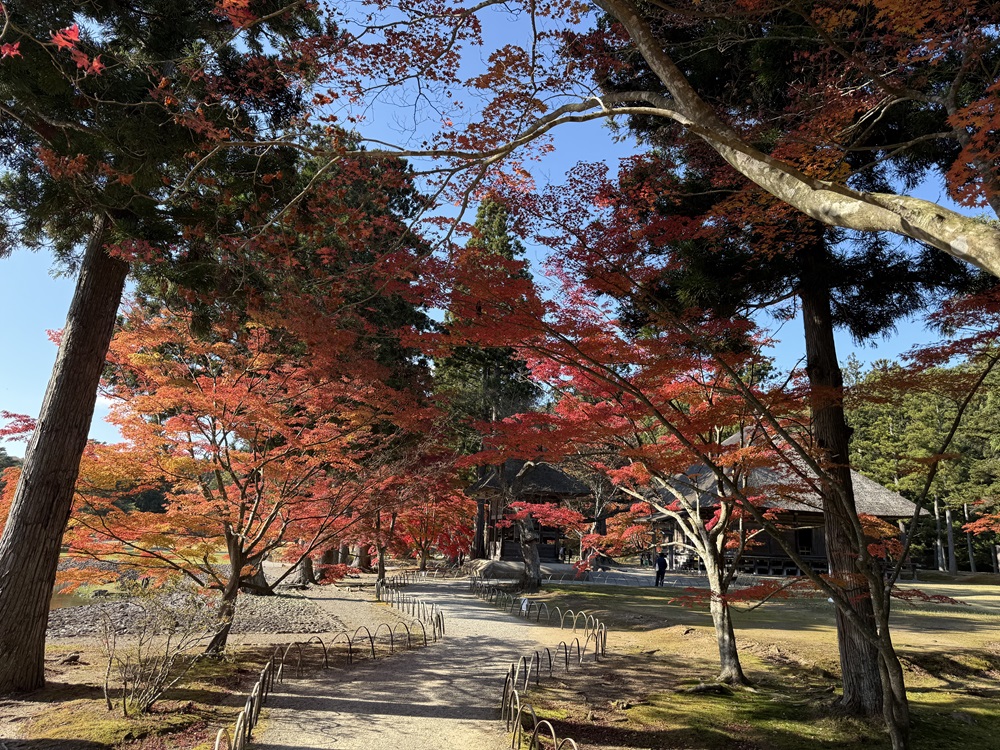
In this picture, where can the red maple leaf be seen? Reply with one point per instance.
(66, 38)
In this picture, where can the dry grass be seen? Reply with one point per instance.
(70, 712)
(639, 698)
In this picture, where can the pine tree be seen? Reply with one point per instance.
(478, 384)
(750, 252)
(114, 138)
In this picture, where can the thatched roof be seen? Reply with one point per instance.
(528, 479)
(782, 491)
(870, 497)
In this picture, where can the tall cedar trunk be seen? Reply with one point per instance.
(345, 554)
(29, 548)
(950, 530)
(938, 543)
(479, 541)
(364, 557)
(730, 669)
(995, 557)
(529, 551)
(968, 541)
(381, 563)
(858, 655)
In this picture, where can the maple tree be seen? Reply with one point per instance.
(343, 286)
(604, 507)
(617, 396)
(293, 406)
(413, 508)
(866, 67)
(529, 518)
(605, 253)
(625, 533)
(261, 454)
(104, 118)
(438, 516)
(576, 345)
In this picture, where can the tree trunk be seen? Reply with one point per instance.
(950, 529)
(995, 555)
(938, 542)
(529, 551)
(345, 554)
(330, 556)
(479, 541)
(304, 573)
(968, 541)
(257, 584)
(227, 611)
(29, 547)
(730, 669)
(895, 704)
(424, 554)
(381, 564)
(858, 655)
(364, 557)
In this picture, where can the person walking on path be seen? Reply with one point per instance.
(661, 568)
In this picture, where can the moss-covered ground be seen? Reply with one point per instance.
(656, 689)
(70, 713)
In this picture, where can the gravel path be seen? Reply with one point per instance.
(259, 619)
(446, 695)
(289, 612)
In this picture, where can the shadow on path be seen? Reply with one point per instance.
(445, 695)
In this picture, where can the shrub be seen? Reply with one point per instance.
(156, 645)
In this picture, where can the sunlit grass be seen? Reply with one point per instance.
(788, 649)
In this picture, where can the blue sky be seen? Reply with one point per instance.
(31, 303)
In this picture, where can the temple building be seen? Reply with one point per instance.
(526, 481)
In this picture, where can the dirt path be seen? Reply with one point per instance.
(446, 695)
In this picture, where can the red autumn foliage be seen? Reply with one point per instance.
(257, 451)
(18, 427)
(66, 38)
(8, 482)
